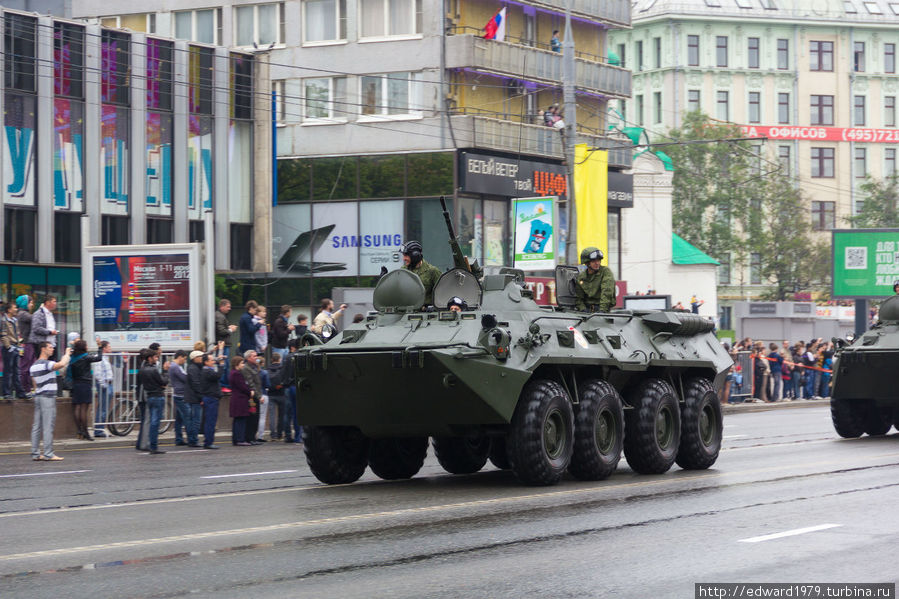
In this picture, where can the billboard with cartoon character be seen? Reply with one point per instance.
(535, 238)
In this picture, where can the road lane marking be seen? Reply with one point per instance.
(249, 474)
(732, 436)
(44, 473)
(789, 533)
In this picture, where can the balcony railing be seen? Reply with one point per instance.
(536, 140)
(617, 12)
(534, 64)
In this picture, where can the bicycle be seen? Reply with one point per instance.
(125, 416)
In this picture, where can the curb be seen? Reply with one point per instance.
(746, 408)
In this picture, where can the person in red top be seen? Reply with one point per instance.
(241, 405)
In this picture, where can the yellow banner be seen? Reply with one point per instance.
(591, 198)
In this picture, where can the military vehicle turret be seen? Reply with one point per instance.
(864, 397)
(538, 390)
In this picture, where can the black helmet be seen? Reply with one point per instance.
(457, 301)
(413, 250)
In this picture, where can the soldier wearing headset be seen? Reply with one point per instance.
(414, 261)
(595, 287)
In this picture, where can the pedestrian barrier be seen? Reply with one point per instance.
(119, 411)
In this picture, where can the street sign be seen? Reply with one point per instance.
(865, 262)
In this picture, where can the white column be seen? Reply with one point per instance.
(138, 154)
(44, 137)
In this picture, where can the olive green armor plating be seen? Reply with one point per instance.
(539, 390)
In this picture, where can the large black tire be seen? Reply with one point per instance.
(499, 454)
(335, 454)
(392, 459)
(652, 427)
(541, 438)
(878, 422)
(598, 431)
(848, 417)
(462, 455)
(701, 426)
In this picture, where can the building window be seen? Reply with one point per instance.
(116, 68)
(723, 105)
(621, 54)
(889, 162)
(657, 106)
(693, 101)
(386, 94)
(241, 247)
(783, 54)
(19, 235)
(242, 86)
(67, 237)
(889, 58)
(822, 162)
(19, 34)
(68, 60)
(639, 52)
(889, 111)
(279, 87)
(753, 53)
(858, 113)
(324, 20)
(858, 62)
(640, 109)
(259, 24)
(115, 230)
(202, 26)
(755, 268)
(861, 163)
(821, 56)
(325, 98)
(160, 57)
(783, 108)
(755, 107)
(657, 52)
(721, 50)
(693, 50)
(160, 230)
(724, 269)
(822, 110)
(823, 216)
(783, 158)
(381, 18)
(196, 231)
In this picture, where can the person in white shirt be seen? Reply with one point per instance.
(104, 379)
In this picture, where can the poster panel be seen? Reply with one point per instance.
(291, 239)
(535, 233)
(335, 239)
(865, 262)
(142, 299)
(380, 236)
(68, 137)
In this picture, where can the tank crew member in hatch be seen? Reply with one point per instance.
(595, 288)
(415, 262)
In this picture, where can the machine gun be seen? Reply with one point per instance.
(459, 259)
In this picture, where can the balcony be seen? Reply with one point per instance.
(471, 131)
(616, 12)
(535, 64)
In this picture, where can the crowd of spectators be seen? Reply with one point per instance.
(785, 372)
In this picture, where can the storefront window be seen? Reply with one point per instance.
(614, 261)
(430, 174)
(335, 178)
(468, 226)
(382, 176)
(424, 222)
(496, 233)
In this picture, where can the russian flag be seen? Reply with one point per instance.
(495, 29)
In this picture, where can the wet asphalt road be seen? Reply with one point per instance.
(253, 522)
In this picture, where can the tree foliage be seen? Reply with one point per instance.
(880, 209)
(731, 203)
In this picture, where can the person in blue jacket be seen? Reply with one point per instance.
(248, 328)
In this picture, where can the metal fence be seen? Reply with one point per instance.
(121, 413)
(740, 378)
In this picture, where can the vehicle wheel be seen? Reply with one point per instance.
(462, 455)
(499, 454)
(541, 438)
(392, 459)
(652, 428)
(878, 422)
(598, 431)
(335, 454)
(123, 412)
(848, 417)
(701, 426)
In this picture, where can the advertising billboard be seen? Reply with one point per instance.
(535, 237)
(145, 294)
(865, 262)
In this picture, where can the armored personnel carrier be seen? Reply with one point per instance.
(864, 397)
(538, 390)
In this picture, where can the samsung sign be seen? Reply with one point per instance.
(510, 177)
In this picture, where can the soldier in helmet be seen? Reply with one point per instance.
(595, 287)
(415, 262)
